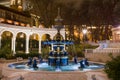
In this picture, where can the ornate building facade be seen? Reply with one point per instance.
(20, 29)
(116, 33)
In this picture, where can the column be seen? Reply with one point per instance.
(39, 46)
(52, 47)
(64, 46)
(27, 45)
(0, 41)
(36, 22)
(13, 44)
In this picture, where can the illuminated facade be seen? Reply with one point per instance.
(93, 33)
(116, 33)
(18, 28)
(14, 17)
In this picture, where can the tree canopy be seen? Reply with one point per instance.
(89, 12)
(112, 68)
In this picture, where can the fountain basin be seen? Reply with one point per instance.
(45, 67)
(13, 73)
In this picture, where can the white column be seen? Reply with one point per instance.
(39, 51)
(13, 44)
(0, 41)
(52, 47)
(27, 45)
(64, 46)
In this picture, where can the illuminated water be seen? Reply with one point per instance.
(46, 67)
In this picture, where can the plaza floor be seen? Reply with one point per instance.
(24, 75)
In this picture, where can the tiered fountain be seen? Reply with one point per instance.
(58, 55)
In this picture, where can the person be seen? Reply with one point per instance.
(29, 61)
(86, 62)
(35, 63)
(93, 77)
(75, 59)
(81, 64)
(40, 60)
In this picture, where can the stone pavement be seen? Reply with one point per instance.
(96, 75)
(26, 75)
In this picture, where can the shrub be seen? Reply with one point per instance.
(70, 57)
(6, 52)
(23, 55)
(80, 54)
(112, 68)
(33, 54)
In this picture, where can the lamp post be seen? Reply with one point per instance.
(84, 34)
(84, 37)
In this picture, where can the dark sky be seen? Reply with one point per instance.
(76, 2)
(4, 0)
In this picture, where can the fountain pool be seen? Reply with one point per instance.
(45, 67)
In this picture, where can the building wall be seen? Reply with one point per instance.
(100, 57)
(11, 16)
(116, 34)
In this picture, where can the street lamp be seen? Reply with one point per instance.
(84, 31)
(84, 34)
(84, 37)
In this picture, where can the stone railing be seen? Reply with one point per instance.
(101, 55)
(105, 50)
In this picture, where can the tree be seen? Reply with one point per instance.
(117, 14)
(112, 68)
(47, 10)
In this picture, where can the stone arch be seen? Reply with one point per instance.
(46, 37)
(34, 42)
(1, 32)
(20, 42)
(6, 38)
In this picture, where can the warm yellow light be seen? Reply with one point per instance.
(10, 21)
(93, 27)
(2, 19)
(16, 23)
(22, 35)
(20, 8)
(22, 24)
(75, 33)
(84, 31)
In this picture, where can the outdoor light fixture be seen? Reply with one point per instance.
(84, 31)
(22, 35)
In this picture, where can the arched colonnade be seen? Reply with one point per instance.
(26, 32)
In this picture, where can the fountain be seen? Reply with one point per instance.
(57, 63)
(58, 56)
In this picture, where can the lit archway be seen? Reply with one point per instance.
(20, 42)
(46, 37)
(6, 39)
(34, 43)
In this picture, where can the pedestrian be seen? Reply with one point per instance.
(93, 77)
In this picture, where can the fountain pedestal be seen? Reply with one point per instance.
(58, 56)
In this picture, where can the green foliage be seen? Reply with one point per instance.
(70, 57)
(88, 46)
(77, 49)
(33, 54)
(6, 52)
(112, 68)
(45, 52)
(23, 55)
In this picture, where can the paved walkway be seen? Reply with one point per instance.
(96, 76)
